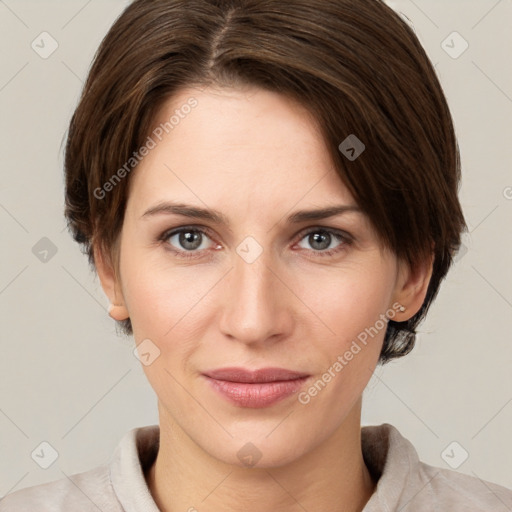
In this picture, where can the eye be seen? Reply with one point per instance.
(188, 241)
(321, 239)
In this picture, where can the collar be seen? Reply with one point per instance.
(389, 457)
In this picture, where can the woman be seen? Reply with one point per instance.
(268, 193)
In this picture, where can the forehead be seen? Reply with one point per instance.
(237, 146)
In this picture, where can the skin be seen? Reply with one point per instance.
(255, 156)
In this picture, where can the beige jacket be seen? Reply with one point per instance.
(405, 483)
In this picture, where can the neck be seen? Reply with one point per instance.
(332, 476)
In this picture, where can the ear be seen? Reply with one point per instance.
(111, 287)
(411, 287)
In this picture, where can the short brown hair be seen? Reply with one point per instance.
(354, 64)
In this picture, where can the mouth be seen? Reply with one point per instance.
(255, 388)
(262, 375)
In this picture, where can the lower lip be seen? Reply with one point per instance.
(256, 395)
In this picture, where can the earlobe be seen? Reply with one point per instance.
(116, 309)
(412, 287)
(118, 312)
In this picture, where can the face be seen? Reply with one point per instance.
(257, 287)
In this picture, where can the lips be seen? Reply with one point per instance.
(255, 388)
(237, 374)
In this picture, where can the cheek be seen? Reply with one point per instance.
(168, 306)
(161, 304)
(350, 303)
(148, 300)
(351, 307)
(350, 299)
(157, 295)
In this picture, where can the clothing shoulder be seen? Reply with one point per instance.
(454, 491)
(84, 492)
(406, 483)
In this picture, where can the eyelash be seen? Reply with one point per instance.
(189, 255)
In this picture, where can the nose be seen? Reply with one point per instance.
(258, 303)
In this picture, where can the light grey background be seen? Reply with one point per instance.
(67, 379)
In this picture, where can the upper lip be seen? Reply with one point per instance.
(237, 374)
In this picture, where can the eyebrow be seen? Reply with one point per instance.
(170, 208)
